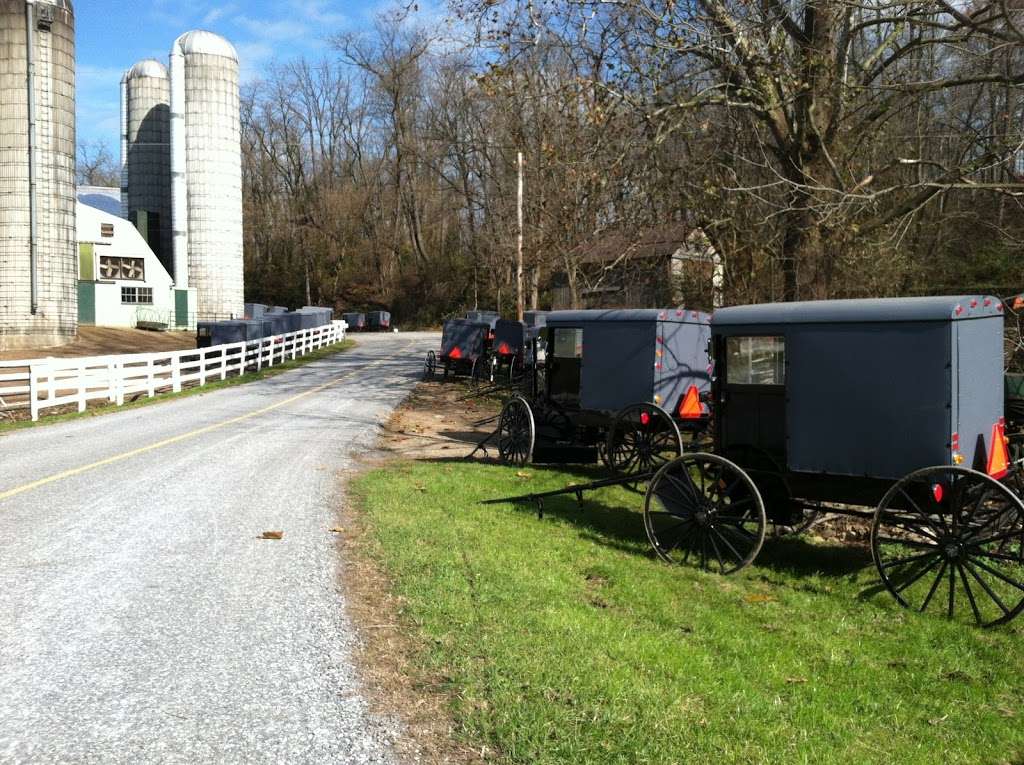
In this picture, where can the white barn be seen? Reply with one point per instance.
(121, 282)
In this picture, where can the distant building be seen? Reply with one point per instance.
(665, 266)
(121, 281)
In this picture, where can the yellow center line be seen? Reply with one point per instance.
(184, 436)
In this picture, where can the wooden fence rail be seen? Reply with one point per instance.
(40, 385)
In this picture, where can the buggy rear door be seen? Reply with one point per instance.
(564, 360)
(752, 407)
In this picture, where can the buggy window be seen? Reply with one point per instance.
(568, 343)
(756, 360)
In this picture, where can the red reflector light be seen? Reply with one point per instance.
(503, 349)
(959, 310)
(987, 303)
(645, 419)
(937, 492)
(455, 354)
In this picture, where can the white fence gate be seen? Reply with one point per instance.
(45, 384)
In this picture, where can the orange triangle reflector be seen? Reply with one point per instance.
(691, 408)
(998, 457)
(455, 354)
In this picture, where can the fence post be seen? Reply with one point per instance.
(81, 387)
(51, 390)
(119, 382)
(112, 383)
(176, 373)
(33, 393)
(150, 377)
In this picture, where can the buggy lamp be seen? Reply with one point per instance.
(657, 399)
(938, 492)
(954, 444)
(645, 419)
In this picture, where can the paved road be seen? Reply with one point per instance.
(141, 618)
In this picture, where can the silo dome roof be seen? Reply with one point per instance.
(201, 41)
(149, 67)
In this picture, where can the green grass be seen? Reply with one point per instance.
(95, 411)
(562, 640)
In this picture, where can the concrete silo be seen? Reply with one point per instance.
(206, 173)
(38, 258)
(146, 155)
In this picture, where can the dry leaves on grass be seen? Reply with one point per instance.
(758, 598)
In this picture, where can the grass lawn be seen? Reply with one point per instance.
(95, 409)
(563, 640)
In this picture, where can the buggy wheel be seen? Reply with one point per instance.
(429, 366)
(704, 508)
(951, 540)
(643, 437)
(516, 432)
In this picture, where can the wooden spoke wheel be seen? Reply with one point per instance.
(705, 509)
(950, 540)
(430, 366)
(517, 432)
(643, 437)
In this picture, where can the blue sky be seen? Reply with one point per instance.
(111, 36)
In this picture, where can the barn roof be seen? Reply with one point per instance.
(888, 310)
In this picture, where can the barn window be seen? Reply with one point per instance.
(106, 230)
(756, 360)
(137, 295)
(131, 269)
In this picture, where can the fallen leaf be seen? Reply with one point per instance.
(757, 598)
(337, 530)
(521, 474)
(272, 535)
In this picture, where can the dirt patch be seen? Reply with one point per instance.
(109, 341)
(439, 421)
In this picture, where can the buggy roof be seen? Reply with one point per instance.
(887, 310)
(677, 315)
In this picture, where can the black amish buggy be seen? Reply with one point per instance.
(378, 321)
(356, 321)
(619, 386)
(513, 349)
(465, 345)
(889, 410)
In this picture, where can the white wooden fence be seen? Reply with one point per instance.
(40, 385)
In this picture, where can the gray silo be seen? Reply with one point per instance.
(206, 173)
(38, 258)
(146, 155)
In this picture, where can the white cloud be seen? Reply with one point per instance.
(217, 13)
(280, 30)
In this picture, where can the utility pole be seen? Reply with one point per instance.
(520, 305)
